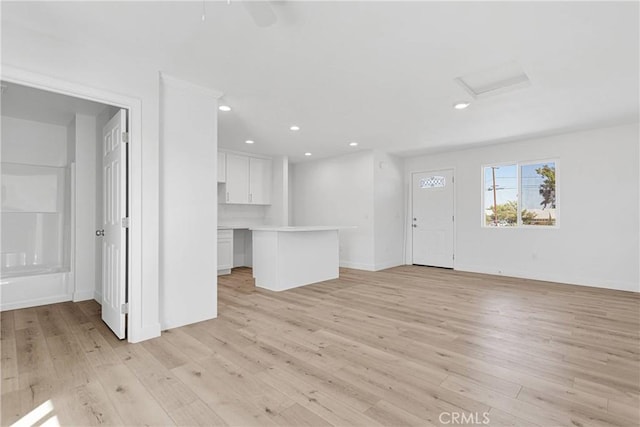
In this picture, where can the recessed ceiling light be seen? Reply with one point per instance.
(353, 144)
(294, 128)
(461, 105)
(307, 154)
(248, 141)
(224, 108)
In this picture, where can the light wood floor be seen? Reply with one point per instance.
(398, 347)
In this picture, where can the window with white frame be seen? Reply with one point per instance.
(520, 194)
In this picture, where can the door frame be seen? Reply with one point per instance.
(135, 330)
(408, 260)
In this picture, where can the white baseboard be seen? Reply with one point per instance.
(580, 281)
(97, 296)
(83, 295)
(184, 322)
(357, 265)
(387, 264)
(145, 333)
(370, 267)
(35, 302)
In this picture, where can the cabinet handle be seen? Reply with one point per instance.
(227, 196)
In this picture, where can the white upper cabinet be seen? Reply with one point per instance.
(237, 179)
(259, 181)
(222, 167)
(247, 180)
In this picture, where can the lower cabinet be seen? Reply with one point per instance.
(225, 251)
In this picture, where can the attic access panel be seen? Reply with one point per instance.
(501, 79)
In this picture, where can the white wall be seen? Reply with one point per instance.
(389, 208)
(33, 143)
(85, 214)
(188, 250)
(277, 213)
(241, 214)
(597, 241)
(84, 65)
(339, 191)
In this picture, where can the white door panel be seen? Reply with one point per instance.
(114, 245)
(432, 219)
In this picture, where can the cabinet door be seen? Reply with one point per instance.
(222, 167)
(225, 254)
(259, 181)
(237, 179)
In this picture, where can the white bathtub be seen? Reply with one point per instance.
(28, 287)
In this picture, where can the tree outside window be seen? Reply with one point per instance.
(520, 194)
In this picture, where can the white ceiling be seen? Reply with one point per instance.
(28, 103)
(379, 73)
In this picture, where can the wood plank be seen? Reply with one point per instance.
(630, 412)
(87, 405)
(32, 352)
(7, 325)
(188, 345)
(170, 392)
(69, 360)
(587, 415)
(96, 349)
(51, 321)
(232, 408)
(500, 418)
(297, 415)
(396, 347)
(165, 352)
(9, 365)
(25, 318)
(318, 402)
(390, 415)
(132, 400)
(196, 413)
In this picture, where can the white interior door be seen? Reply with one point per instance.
(432, 219)
(114, 232)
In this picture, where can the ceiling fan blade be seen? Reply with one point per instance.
(261, 12)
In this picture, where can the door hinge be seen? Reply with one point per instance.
(454, 256)
(126, 222)
(453, 179)
(124, 308)
(125, 137)
(453, 218)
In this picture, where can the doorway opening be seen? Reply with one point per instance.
(432, 218)
(58, 195)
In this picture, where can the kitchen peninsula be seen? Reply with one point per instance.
(289, 257)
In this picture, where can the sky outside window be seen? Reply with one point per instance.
(531, 181)
(506, 185)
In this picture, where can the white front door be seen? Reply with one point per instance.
(114, 243)
(432, 218)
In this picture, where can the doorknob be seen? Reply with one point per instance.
(415, 219)
(414, 225)
(100, 233)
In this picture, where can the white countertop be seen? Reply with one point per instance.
(299, 228)
(235, 227)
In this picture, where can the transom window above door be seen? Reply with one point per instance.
(434, 181)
